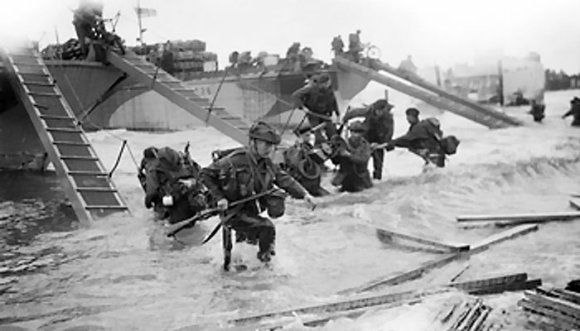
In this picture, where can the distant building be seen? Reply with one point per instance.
(504, 79)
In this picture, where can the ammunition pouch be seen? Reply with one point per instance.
(236, 183)
(275, 204)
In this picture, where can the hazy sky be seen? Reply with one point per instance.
(442, 32)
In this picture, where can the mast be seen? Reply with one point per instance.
(140, 26)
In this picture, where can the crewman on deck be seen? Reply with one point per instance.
(85, 19)
(353, 159)
(166, 61)
(304, 162)
(574, 111)
(337, 46)
(321, 103)
(355, 46)
(173, 182)
(408, 66)
(379, 125)
(425, 139)
(246, 172)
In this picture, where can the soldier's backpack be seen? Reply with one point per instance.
(450, 144)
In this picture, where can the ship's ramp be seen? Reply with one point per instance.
(85, 181)
(183, 96)
(418, 88)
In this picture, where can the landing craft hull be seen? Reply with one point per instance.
(102, 98)
(132, 105)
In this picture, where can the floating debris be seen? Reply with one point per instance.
(552, 309)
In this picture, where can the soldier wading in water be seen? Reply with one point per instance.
(246, 172)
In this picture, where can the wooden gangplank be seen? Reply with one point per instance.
(416, 80)
(488, 117)
(85, 181)
(182, 95)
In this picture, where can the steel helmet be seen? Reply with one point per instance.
(357, 126)
(412, 112)
(263, 131)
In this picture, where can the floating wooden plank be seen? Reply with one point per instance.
(575, 203)
(436, 263)
(458, 274)
(491, 281)
(561, 294)
(405, 275)
(314, 321)
(500, 237)
(563, 306)
(384, 234)
(337, 306)
(498, 284)
(449, 273)
(320, 313)
(562, 319)
(521, 218)
(568, 295)
(517, 286)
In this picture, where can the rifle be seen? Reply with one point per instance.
(205, 214)
(323, 117)
(414, 151)
(341, 127)
(186, 149)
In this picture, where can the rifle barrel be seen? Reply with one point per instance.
(212, 212)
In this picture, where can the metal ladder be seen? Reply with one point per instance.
(479, 114)
(183, 96)
(85, 180)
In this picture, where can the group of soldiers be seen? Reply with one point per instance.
(355, 46)
(367, 139)
(242, 183)
(178, 188)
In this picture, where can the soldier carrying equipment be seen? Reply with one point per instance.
(246, 172)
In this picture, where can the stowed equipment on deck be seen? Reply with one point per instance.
(416, 87)
(85, 180)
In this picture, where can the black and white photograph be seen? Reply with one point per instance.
(393, 165)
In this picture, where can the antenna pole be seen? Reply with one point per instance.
(140, 26)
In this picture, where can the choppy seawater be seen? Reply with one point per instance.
(122, 274)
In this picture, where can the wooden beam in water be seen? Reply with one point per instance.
(355, 306)
(492, 281)
(500, 237)
(562, 321)
(560, 308)
(521, 218)
(357, 302)
(384, 233)
(318, 320)
(436, 263)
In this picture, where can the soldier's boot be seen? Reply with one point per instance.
(264, 256)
